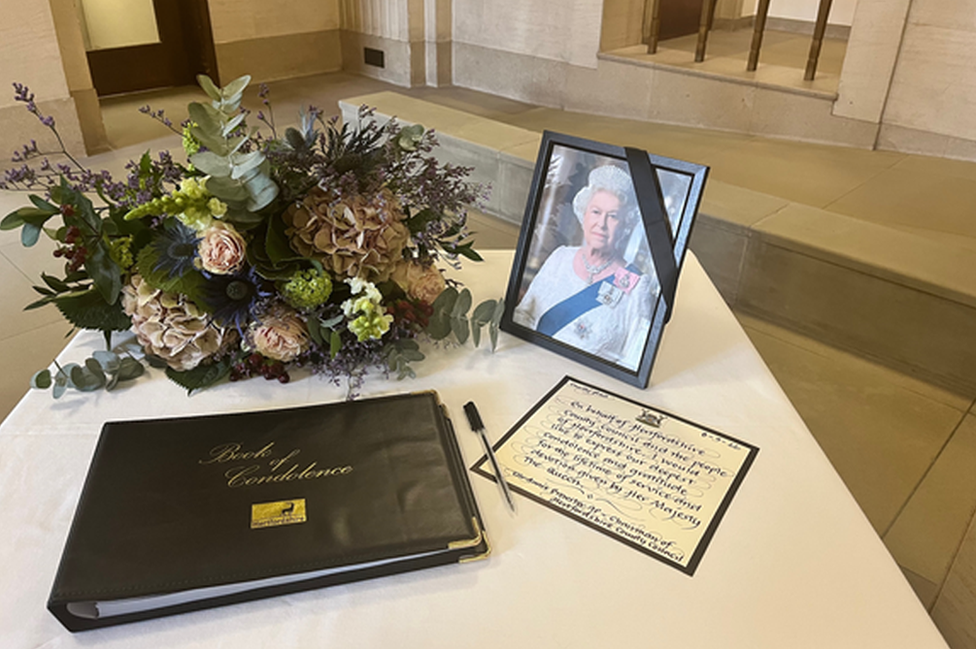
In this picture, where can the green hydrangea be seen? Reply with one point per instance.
(120, 250)
(371, 320)
(190, 144)
(307, 289)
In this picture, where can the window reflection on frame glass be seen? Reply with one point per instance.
(584, 282)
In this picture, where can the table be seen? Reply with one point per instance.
(794, 563)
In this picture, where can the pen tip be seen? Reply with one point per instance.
(474, 418)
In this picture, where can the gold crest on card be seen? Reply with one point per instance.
(282, 512)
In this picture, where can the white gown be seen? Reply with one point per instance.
(615, 331)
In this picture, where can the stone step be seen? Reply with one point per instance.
(903, 300)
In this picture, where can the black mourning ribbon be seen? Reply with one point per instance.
(656, 224)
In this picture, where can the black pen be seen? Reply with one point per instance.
(474, 420)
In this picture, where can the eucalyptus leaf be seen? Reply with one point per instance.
(41, 380)
(130, 369)
(60, 385)
(211, 163)
(462, 304)
(108, 361)
(209, 86)
(233, 124)
(113, 381)
(461, 329)
(30, 234)
(85, 380)
(235, 87)
(439, 326)
(94, 367)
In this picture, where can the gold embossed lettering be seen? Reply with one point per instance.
(232, 452)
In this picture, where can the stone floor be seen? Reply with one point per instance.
(904, 447)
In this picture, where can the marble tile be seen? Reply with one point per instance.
(929, 529)
(954, 611)
(900, 196)
(923, 164)
(955, 399)
(916, 332)
(737, 205)
(880, 436)
(24, 354)
(942, 268)
(925, 589)
(810, 174)
(15, 294)
(908, 140)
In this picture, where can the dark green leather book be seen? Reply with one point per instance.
(182, 514)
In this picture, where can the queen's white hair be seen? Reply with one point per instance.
(608, 178)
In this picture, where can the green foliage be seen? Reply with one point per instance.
(238, 176)
(202, 376)
(189, 283)
(104, 369)
(400, 354)
(87, 310)
(451, 316)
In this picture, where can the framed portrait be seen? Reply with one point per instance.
(605, 232)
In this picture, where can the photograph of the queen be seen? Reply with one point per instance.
(589, 281)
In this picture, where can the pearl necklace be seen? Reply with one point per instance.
(593, 271)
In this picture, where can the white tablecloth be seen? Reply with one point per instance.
(794, 563)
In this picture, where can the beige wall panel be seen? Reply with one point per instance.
(559, 30)
(869, 64)
(622, 24)
(241, 20)
(952, 14)
(18, 127)
(29, 52)
(398, 58)
(280, 57)
(934, 86)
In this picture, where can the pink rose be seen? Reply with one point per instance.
(421, 282)
(280, 334)
(221, 249)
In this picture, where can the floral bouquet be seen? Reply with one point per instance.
(317, 249)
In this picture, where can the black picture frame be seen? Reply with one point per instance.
(649, 242)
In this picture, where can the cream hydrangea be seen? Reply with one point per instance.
(172, 327)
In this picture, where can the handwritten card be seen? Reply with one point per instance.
(647, 478)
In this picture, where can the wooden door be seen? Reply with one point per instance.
(679, 18)
(184, 49)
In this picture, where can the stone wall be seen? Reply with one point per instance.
(275, 40)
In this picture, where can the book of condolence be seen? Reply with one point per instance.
(182, 514)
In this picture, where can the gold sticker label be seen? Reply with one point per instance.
(282, 512)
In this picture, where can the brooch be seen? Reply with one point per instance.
(609, 295)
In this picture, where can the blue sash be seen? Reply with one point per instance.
(561, 314)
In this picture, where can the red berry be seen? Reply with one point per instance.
(68, 210)
(59, 252)
(284, 378)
